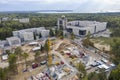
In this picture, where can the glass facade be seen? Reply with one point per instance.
(82, 32)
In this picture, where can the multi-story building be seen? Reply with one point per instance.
(45, 33)
(24, 20)
(22, 36)
(5, 19)
(29, 34)
(14, 41)
(81, 28)
(15, 19)
(4, 45)
(1, 44)
(62, 23)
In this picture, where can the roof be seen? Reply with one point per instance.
(103, 66)
(33, 43)
(30, 29)
(36, 48)
(4, 44)
(112, 65)
(12, 38)
(104, 60)
(60, 74)
(85, 23)
(4, 57)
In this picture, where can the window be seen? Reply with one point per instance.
(82, 32)
(70, 30)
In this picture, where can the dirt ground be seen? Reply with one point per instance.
(26, 75)
(21, 66)
(66, 43)
(101, 47)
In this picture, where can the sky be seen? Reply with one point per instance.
(82, 6)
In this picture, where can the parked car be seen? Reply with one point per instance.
(62, 62)
(25, 70)
(43, 62)
(68, 54)
(34, 65)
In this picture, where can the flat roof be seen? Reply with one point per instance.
(33, 43)
(103, 66)
(36, 48)
(12, 38)
(85, 23)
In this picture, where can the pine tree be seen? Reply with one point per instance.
(47, 48)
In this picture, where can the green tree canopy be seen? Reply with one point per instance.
(115, 74)
(12, 59)
(25, 56)
(3, 74)
(52, 33)
(81, 69)
(72, 36)
(115, 50)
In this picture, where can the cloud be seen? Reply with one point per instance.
(44, 1)
(3, 2)
(76, 5)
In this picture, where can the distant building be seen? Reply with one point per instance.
(24, 20)
(15, 19)
(14, 41)
(5, 19)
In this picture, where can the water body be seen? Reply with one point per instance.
(55, 11)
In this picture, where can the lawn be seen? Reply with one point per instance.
(103, 40)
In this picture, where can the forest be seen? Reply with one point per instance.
(50, 20)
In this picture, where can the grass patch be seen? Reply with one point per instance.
(103, 40)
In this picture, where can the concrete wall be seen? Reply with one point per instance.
(45, 33)
(87, 25)
(14, 41)
(27, 36)
(24, 20)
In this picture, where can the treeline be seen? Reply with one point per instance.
(50, 20)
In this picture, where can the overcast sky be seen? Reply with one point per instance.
(75, 5)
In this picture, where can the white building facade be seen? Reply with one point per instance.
(26, 36)
(24, 20)
(81, 28)
(62, 23)
(14, 41)
(45, 33)
(29, 34)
